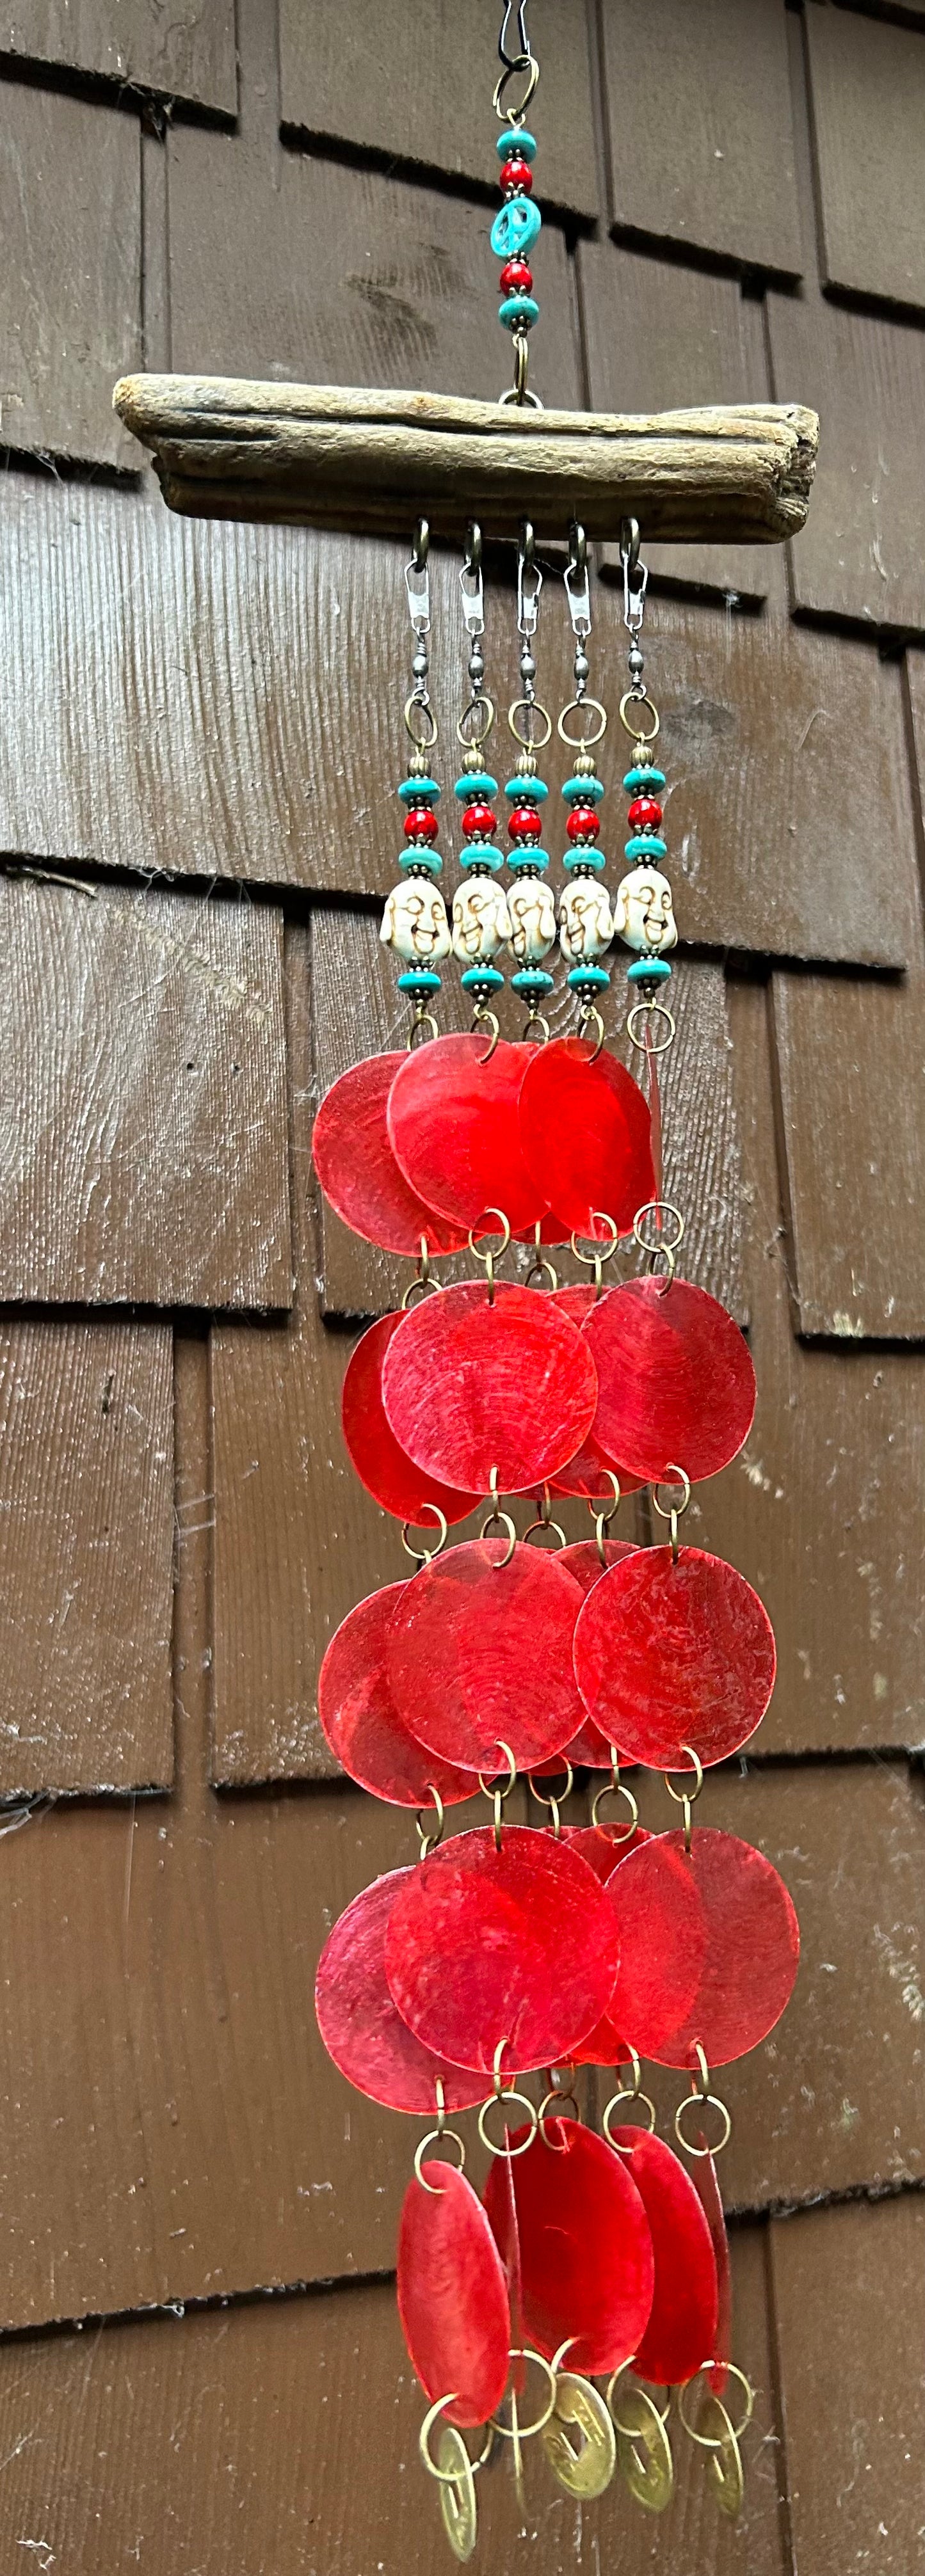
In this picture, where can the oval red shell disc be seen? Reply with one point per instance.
(381, 1464)
(361, 2030)
(358, 1171)
(470, 1386)
(681, 2332)
(517, 1945)
(452, 2295)
(722, 1905)
(674, 1655)
(479, 1653)
(454, 1130)
(588, 1473)
(586, 2261)
(677, 1386)
(586, 1136)
(361, 1722)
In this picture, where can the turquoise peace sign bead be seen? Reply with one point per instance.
(516, 225)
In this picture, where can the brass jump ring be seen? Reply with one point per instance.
(428, 1841)
(422, 741)
(434, 2137)
(558, 2098)
(509, 2094)
(525, 2432)
(638, 732)
(737, 2430)
(644, 1011)
(514, 115)
(425, 1555)
(532, 707)
(490, 1788)
(473, 738)
(542, 1522)
(496, 1519)
(630, 2433)
(422, 1021)
(713, 2102)
(616, 1789)
(583, 706)
(601, 1251)
(589, 1016)
(685, 1797)
(628, 2093)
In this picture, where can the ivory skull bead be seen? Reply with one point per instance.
(414, 923)
(480, 920)
(643, 912)
(586, 920)
(532, 908)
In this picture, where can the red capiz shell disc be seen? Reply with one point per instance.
(587, 2267)
(363, 1727)
(676, 1382)
(358, 1171)
(453, 1126)
(381, 1464)
(516, 1945)
(479, 1654)
(681, 2332)
(673, 1656)
(722, 1906)
(470, 1386)
(586, 1136)
(361, 2030)
(452, 2295)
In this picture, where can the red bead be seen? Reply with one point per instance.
(582, 823)
(643, 812)
(517, 174)
(480, 820)
(524, 824)
(421, 824)
(516, 278)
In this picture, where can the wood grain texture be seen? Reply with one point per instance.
(364, 80)
(283, 2435)
(721, 177)
(86, 1493)
(852, 1089)
(653, 332)
(866, 377)
(850, 2281)
(867, 92)
(354, 459)
(143, 1142)
(824, 1510)
(188, 55)
(70, 216)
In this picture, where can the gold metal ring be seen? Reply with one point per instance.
(704, 2101)
(583, 706)
(627, 2093)
(531, 707)
(508, 2094)
(550, 2100)
(422, 1021)
(489, 1787)
(616, 1789)
(673, 1475)
(638, 731)
(427, 1841)
(448, 2477)
(425, 1555)
(601, 1251)
(514, 115)
(473, 740)
(542, 1523)
(496, 1519)
(525, 2432)
(483, 1018)
(537, 1020)
(505, 1237)
(685, 1797)
(737, 2430)
(588, 1017)
(525, 400)
(601, 1518)
(437, 2137)
(421, 741)
(661, 2412)
(659, 1209)
(647, 1045)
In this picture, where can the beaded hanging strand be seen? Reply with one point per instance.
(533, 918)
(414, 922)
(518, 221)
(643, 912)
(481, 921)
(586, 921)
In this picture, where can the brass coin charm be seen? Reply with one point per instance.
(457, 2492)
(724, 2464)
(584, 2468)
(644, 2451)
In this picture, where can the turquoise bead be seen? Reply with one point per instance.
(586, 856)
(645, 845)
(648, 970)
(516, 309)
(417, 855)
(475, 782)
(419, 791)
(583, 791)
(481, 854)
(421, 982)
(589, 979)
(516, 225)
(526, 791)
(516, 138)
(527, 858)
(532, 981)
(481, 979)
(641, 778)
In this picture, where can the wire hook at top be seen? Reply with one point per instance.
(515, 62)
(577, 582)
(635, 576)
(417, 580)
(529, 581)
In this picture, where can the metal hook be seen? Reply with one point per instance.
(577, 583)
(417, 582)
(529, 582)
(471, 583)
(515, 62)
(635, 576)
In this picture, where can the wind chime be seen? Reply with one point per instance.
(594, 2261)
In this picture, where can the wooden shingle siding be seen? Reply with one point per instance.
(849, 2304)
(714, 170)
(186, 53)
(852, 1089)
(86, 1556)
(867, 94)
(144, 1152)
(70, 280)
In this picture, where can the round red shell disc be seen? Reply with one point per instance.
(681, 2332)
(470, 1386)
(722, 1905)
(381, 1464)
(677, 1386)
(586, 1136)
(358, 1171)
(452, 2295)
(454, 1130)
(588, 1473)
(479, 1653)
(587, 2267)
(361, 2030)
(674, 1655)
(516, 1946)
(361, 1722)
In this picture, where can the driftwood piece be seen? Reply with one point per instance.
(372, 460)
